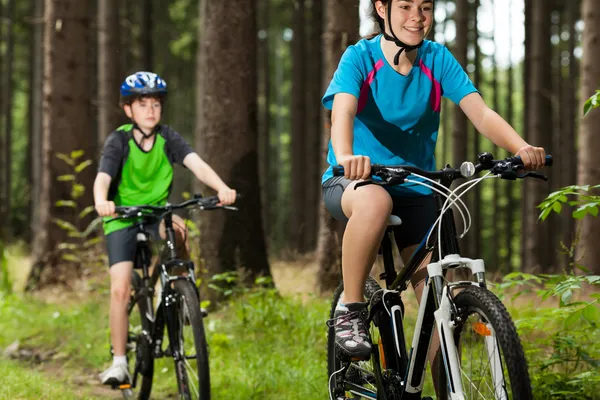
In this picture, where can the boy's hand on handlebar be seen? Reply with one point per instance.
(106, 209)
(227, 196)
(533, 157)
(355, 167)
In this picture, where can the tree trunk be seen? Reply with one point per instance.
(313, 131)
(588, 251)
(340, 31)
(146, 36)
(535, 236)
(568, 153)
(6, 113)
(459, 133)
(66, 114)
(264, 138)
(108, 68)
(35, 114)
(227, 127)
(298, 150)
(509, 187)
(477, 229)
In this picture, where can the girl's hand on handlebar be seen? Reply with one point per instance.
(227, 196)
(533, 157)
(106, 209)
(355, 167)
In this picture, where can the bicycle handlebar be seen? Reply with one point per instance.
(204, 203)
(507, 169)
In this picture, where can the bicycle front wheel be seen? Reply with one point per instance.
(140, 328)
(491, 357)
(192, 368)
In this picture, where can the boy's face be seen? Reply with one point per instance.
(145, 111)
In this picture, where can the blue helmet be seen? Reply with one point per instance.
(143, 84)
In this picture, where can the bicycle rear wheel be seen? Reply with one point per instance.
(193, 375)
(139, 340)
(493, 364)
(359, 381)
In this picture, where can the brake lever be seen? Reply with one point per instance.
(534, 175)
(368, 182)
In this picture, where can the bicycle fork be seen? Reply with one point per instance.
(446, 324)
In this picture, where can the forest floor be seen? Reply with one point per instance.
(268, 344)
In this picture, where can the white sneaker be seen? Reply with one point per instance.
(115, 375)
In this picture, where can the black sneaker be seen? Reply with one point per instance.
(351, 337)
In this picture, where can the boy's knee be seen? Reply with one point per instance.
(120, 294)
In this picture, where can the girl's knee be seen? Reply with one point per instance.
(375, 203)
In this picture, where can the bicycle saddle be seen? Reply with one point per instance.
(394, 220)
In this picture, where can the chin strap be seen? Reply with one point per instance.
(146, 135)
(403, 46)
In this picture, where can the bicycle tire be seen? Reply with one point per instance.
(490, 312)
(187, 297)
(143, 352)
(333, 362)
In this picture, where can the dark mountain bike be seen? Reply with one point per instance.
(177, 309)
(481, 353)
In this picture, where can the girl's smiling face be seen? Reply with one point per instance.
(411, 20)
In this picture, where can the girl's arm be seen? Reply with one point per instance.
(342, 137)
(495, 128)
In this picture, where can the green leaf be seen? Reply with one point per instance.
(593, 279)
(92, 242)
(77, 191)
(205, 304)
(92, 227)
(65, 158)
(66, 203)
(67, 246)
(544, 214)
(592, 314)
(65, 225)
(589, 208)
(71, 257)
(83, 166)
(590, 104)
(65, 178)
(557, 207)
(86, 211)
(75, 154)
(565, 298)
(572, 320)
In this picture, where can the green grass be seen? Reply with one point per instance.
(21, 382)
(262, 346)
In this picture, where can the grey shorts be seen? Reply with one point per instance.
(121, 244)
(418, 213)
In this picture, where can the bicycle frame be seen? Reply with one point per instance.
(436, 307)
(164, 316)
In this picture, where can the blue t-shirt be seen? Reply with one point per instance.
(398, 116)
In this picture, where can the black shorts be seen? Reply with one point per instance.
(121, 244)
(418, 213)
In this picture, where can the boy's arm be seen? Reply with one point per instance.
(208, 176)
(104, 207)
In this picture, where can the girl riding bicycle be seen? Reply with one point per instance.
(137, 168)
(385, 99)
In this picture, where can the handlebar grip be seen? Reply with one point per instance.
(338, 170)
(517, 160)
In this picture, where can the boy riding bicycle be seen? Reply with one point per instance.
(136, 167)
